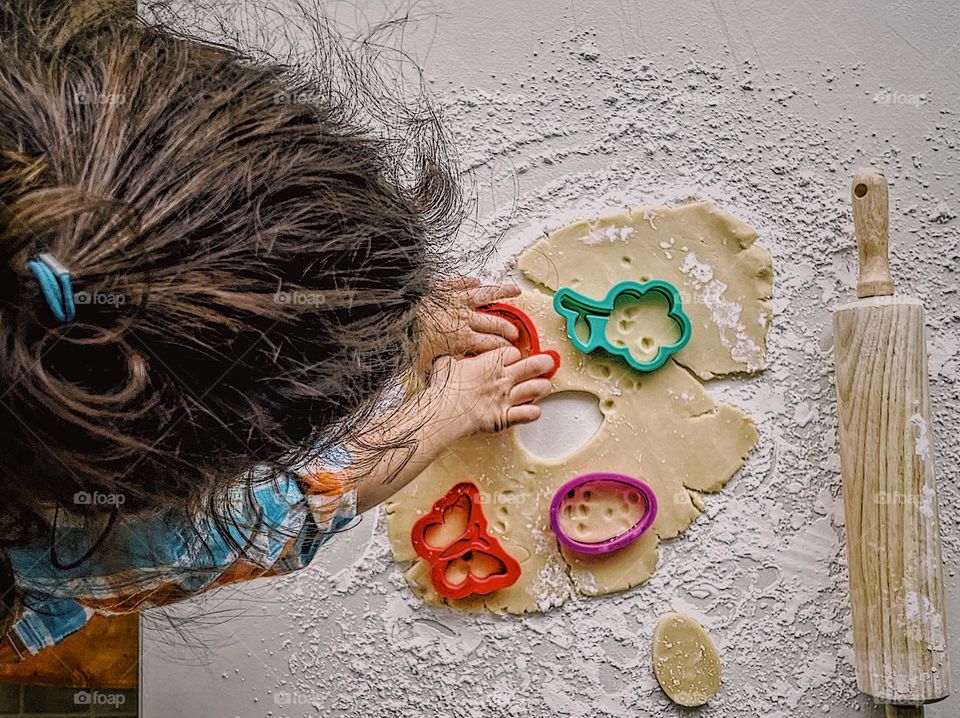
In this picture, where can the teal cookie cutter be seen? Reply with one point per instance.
(575, 307)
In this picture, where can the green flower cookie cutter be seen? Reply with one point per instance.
(575, 307)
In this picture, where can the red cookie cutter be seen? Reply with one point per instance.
(529, 341)
(472, 541)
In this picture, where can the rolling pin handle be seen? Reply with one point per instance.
(900, 711)
(871, 217)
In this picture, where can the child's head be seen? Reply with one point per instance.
(247, 260)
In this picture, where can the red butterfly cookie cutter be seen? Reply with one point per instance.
(529, 341)
(472, 543)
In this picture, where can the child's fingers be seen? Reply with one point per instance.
(490, 324)
(492, 293)
(529, 391)
(480, 343)
(523, 414)
(507, 356)
(530, 367)
(460, 284)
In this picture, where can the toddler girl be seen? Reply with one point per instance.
(213, 271)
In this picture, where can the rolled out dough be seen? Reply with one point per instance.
(662, 427)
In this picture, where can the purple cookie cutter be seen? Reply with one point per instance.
(615, 542)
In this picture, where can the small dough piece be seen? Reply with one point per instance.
(685, 661)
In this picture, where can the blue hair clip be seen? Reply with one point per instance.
(54, 280)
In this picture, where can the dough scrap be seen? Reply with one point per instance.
(685, 661)
(662, 427)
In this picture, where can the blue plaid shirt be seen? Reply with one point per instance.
(158, 557)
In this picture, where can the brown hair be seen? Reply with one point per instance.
(247, 256)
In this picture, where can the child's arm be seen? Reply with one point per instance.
(166, 556)
(488, 392)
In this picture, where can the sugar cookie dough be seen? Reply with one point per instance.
(685, 661)
(661, 427)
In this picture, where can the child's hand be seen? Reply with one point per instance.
(452, 326)
(488, 392)
(493, 390)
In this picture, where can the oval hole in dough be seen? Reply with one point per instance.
(569, 420)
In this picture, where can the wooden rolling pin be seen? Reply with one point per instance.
(889, 489)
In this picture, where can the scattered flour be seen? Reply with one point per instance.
(725, 313)
(805, 413)
(919, 609)
(922, 447)
(928, 498)
(701, 271)
(608, 234)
